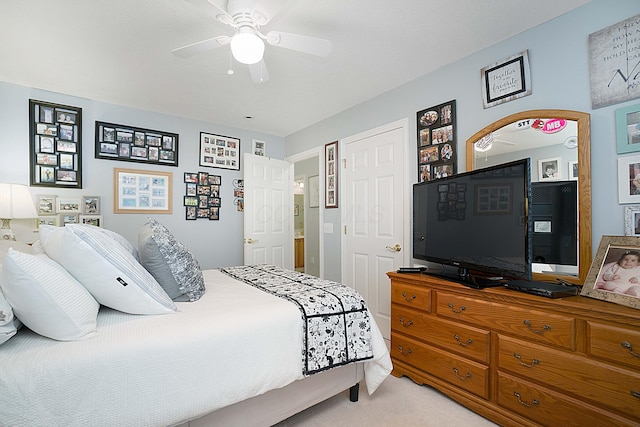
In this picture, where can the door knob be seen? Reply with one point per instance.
(250, 241)
(396, 248)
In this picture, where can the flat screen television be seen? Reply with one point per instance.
(475, 224)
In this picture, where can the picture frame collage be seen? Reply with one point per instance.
(55, 145)
(331, 175)
(60, 211)
(142, 191)
(437, 148)
(218, 151)
(134, 144)
(202, 196)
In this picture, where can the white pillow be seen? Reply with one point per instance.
(46, 298)
(9, 324)
(118, 238)
(170, 262)
(110, 272)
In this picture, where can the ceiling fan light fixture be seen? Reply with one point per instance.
(247, 47)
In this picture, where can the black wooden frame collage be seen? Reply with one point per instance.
(437, 135)
(202, 196)
(55, 145)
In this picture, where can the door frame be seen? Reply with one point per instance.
(308, 154)
(407, 253)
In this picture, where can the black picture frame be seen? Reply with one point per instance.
(202, 196)
(55, 145)
(219, 151)
(134, 144)
(436, 136)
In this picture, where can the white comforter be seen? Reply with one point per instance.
(160, 370)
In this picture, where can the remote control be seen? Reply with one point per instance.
(411, 269)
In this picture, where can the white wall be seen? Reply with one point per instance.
(559, 61)
(213, 243)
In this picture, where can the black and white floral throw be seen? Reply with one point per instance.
(336, 320)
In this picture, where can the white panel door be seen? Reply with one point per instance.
(374, 215)
(268, 211)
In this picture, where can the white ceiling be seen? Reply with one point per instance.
(118, 51)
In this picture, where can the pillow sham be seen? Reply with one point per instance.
(109, 272)
(170, 262)
(46, 298)
(9, 324)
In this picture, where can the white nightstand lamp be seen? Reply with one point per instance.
(15, 203)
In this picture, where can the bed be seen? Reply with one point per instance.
(233, 357)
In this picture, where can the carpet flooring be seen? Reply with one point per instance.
(397, 402)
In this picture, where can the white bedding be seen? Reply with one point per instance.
(160, 370)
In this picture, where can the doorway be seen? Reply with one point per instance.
(307, 236)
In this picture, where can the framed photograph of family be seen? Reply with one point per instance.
(436, 141)
(55, 145)
(140, 191)
(629, 179)
(614, 275)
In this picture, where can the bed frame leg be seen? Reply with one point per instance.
(353, 392)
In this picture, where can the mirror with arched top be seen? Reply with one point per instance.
(559, 145)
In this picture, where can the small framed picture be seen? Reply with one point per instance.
(572, 167)
(632, 220)
(47, 220)
(90, 205)
(506, 80)
(66, 205)
(628, 129)
(549, 169)
(69, 218)
(46, 204)
(91, 220)
(614, 275)
(629, 179)
(258, 147)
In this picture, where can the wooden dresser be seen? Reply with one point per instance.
(515, 358)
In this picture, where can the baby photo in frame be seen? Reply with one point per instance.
(614, 275)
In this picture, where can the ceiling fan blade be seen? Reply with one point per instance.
(311, 45)
(211, 9)
(201, 46)
(259, 73)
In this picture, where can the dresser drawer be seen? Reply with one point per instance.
(466, 340)
(614, 343)
(411, 296)
(551, 408)
(531, 324)
(603, 385)
(465, 374)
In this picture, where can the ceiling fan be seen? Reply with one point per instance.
(247, 18)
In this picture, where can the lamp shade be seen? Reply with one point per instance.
(247, 47)
(16, 202)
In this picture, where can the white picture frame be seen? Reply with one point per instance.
(549, 169)
(572, 170)
(68, 205)
(632, 220)
(258, 147)
(628, 169)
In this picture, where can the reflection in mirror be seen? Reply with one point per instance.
(558, 143)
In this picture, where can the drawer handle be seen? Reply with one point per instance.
(466, 377)
(635, 394)
(544, 329)
(628, 346)
(523, 403)
(401, 349)
(464, 344)
(462, 308)
(533, 361)
(408, 299)
(406, 325)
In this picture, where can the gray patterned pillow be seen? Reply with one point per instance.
(170, 262)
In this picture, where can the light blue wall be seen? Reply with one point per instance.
(559, 62)
(213, 243)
